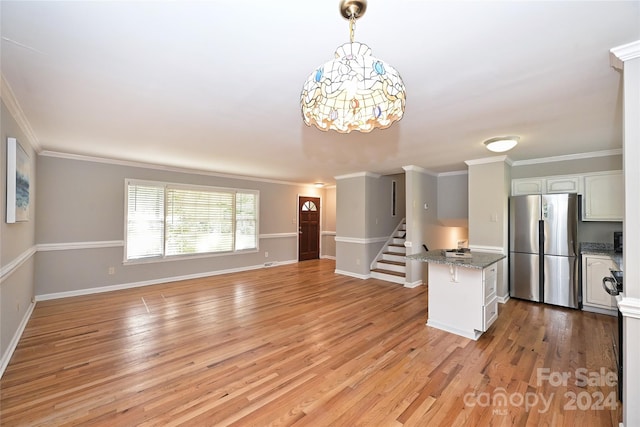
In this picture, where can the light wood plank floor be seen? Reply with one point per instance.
(299, 345)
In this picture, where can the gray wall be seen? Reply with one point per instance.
(489, 185)
(364, 219)
(17, 246)
(424, 224)
(568, 167)
(453, 200)
(489, 189)
(379, 219)
(328, 246)
(81, 220)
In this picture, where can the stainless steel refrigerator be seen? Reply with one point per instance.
(543, 262)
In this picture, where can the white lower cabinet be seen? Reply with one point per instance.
(594, 297)
(490, 285)
(462, 300)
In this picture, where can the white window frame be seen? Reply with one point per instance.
(170, 185)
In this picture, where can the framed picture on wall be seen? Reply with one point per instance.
(18, 182)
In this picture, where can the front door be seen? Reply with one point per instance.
(309, 228)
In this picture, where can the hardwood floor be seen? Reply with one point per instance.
(300, 345)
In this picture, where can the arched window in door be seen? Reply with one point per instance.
(309, 206)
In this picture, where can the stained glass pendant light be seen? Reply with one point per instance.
(354, 91)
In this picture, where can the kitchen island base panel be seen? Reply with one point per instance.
(462, 300)
(474, 335)
(462, 292)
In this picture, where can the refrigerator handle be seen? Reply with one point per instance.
(541, 236)
(545, 210)
(541, 272)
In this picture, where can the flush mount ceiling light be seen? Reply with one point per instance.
(501, 144)
(354, 91)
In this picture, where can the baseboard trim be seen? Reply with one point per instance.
(350, 274)
(629, 307)
(474, 335)
(413, 284)
(109, 288)
(6, 357)
(504, 299)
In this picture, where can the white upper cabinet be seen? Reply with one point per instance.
(523, 186)
(602, 192)
(603, 197)
(564, 184)
(547, 185)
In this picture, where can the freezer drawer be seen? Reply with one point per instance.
(524, 279)
(561, 281)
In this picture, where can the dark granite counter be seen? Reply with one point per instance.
(478, 260)
(604, 249)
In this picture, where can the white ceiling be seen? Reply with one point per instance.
(215, 85)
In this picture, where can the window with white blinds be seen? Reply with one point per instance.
(167, 220)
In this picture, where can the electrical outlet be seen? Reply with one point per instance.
(112, 270)
(266, 254)
(357, 261)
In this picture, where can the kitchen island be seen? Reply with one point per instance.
(462, 291)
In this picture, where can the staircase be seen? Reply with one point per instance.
(390, 263)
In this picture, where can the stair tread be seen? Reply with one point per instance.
(386, 261)
(383, 271)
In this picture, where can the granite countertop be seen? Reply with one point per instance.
(478, 260)
(606, 249)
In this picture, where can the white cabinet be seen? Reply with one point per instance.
(602, 192)
(490, 286)
(594, 297)
(523, 186)
(564, 184)
(546, 185)
(462, 300)
(603, 197)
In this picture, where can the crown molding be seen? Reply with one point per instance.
(133, 164)
(618, 55)
(579, 156)
(9, 98)
(358, 175)
(485, 160)
(453, 173)
(414, 168)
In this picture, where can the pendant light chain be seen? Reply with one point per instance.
(352, 27)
